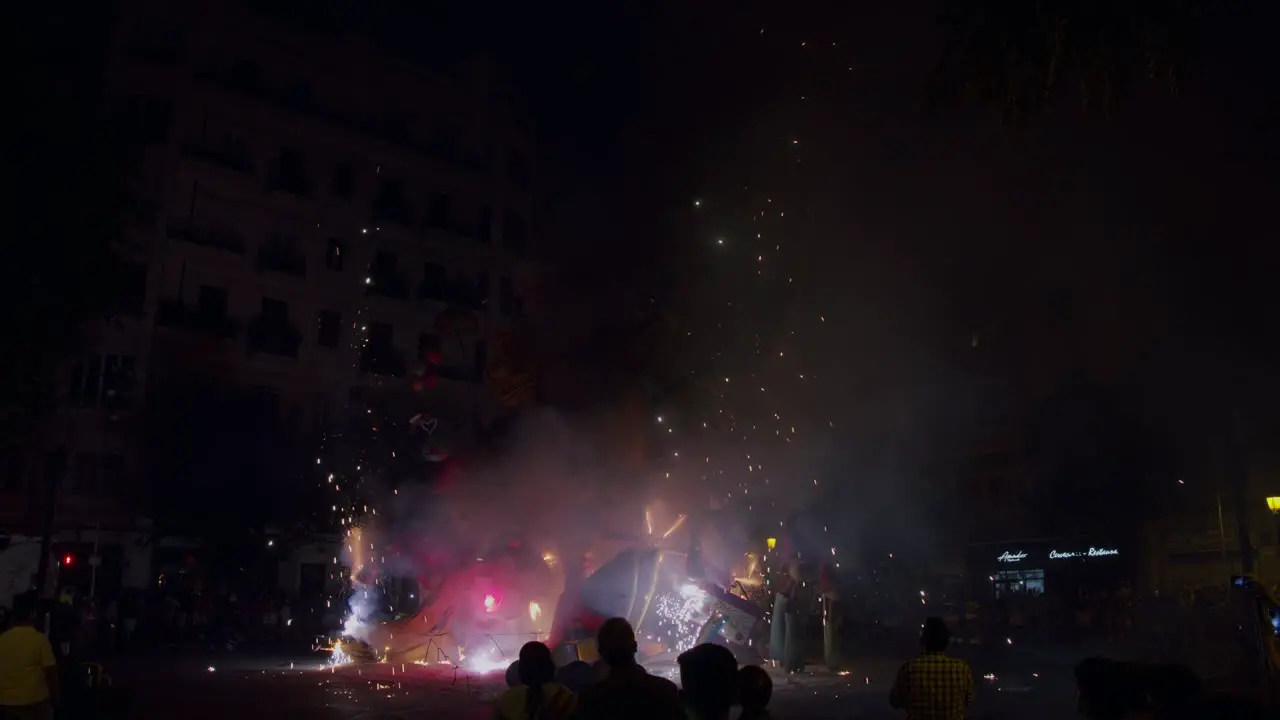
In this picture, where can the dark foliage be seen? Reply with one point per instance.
(1018, 57)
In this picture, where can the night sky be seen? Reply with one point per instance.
(766, 178)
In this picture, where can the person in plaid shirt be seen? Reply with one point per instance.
(933, 686)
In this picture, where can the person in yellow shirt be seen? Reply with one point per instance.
(28, 672)
(538, 696)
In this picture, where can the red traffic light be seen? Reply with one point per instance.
(67, 560)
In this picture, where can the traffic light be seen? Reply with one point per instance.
(67, 560)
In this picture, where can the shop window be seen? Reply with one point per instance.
(1007, 583)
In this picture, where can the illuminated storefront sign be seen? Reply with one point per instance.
(1008, 557)
(1091, 552)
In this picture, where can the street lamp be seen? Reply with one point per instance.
(1273, 504)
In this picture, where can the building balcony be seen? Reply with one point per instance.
(212, 237)
(271, 336)
(294, 183)
(461, 373)
(388, 285)
(387, 362)
(286, 262)
(172, 313)
(228, 156)
(459, 293)
(395, 211)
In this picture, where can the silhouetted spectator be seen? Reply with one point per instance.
(1109, 690)
(933, 686)
(708, 681)
(755, 689)
(538, 696)
(628, 692)
(28, 671)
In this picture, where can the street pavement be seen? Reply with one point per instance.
(228, 686)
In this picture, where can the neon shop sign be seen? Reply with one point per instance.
(1091, 552)
(1008, 557)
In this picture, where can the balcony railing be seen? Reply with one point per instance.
(440, 150)
(214, 237)
(386, 284)
(172, 313)
(287, 262)
(225, 155)
(272, 336)
(384, 361)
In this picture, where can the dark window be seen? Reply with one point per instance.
(344, 180)
(384, 262)
(434, 277)
(112, 474)
(506, 297)
(514, 235)
(330, 328)
(275, 311)
(517, 168)
(55, 466)
(147, 119)
(292, 162)
(118, 376)
(380, 335)
(212, 301)
(427, 342)
(486, 224)
(86, 381)
(333, 255)
(11, 469)
(438, 211)
(133, 288)
(482, 358)
(84, 474)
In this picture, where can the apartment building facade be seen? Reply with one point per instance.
(312, 218)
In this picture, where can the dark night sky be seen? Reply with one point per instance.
(1133, 250)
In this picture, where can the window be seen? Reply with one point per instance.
(482, 358)
(212, 301)
(11, 469)
(514, 236)
(96, 378)
(486, 224)
(384, 263)
(344, 180)
(434, 277)
(427, 343)
(333, 255)
(275, 311)
(133, 288)
(55, 466)
(112, 474)
(506, 297)
(517, 168)
(84, 474)
(330, 329)
(438, 211)
(1018, 582)
(380, 335)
